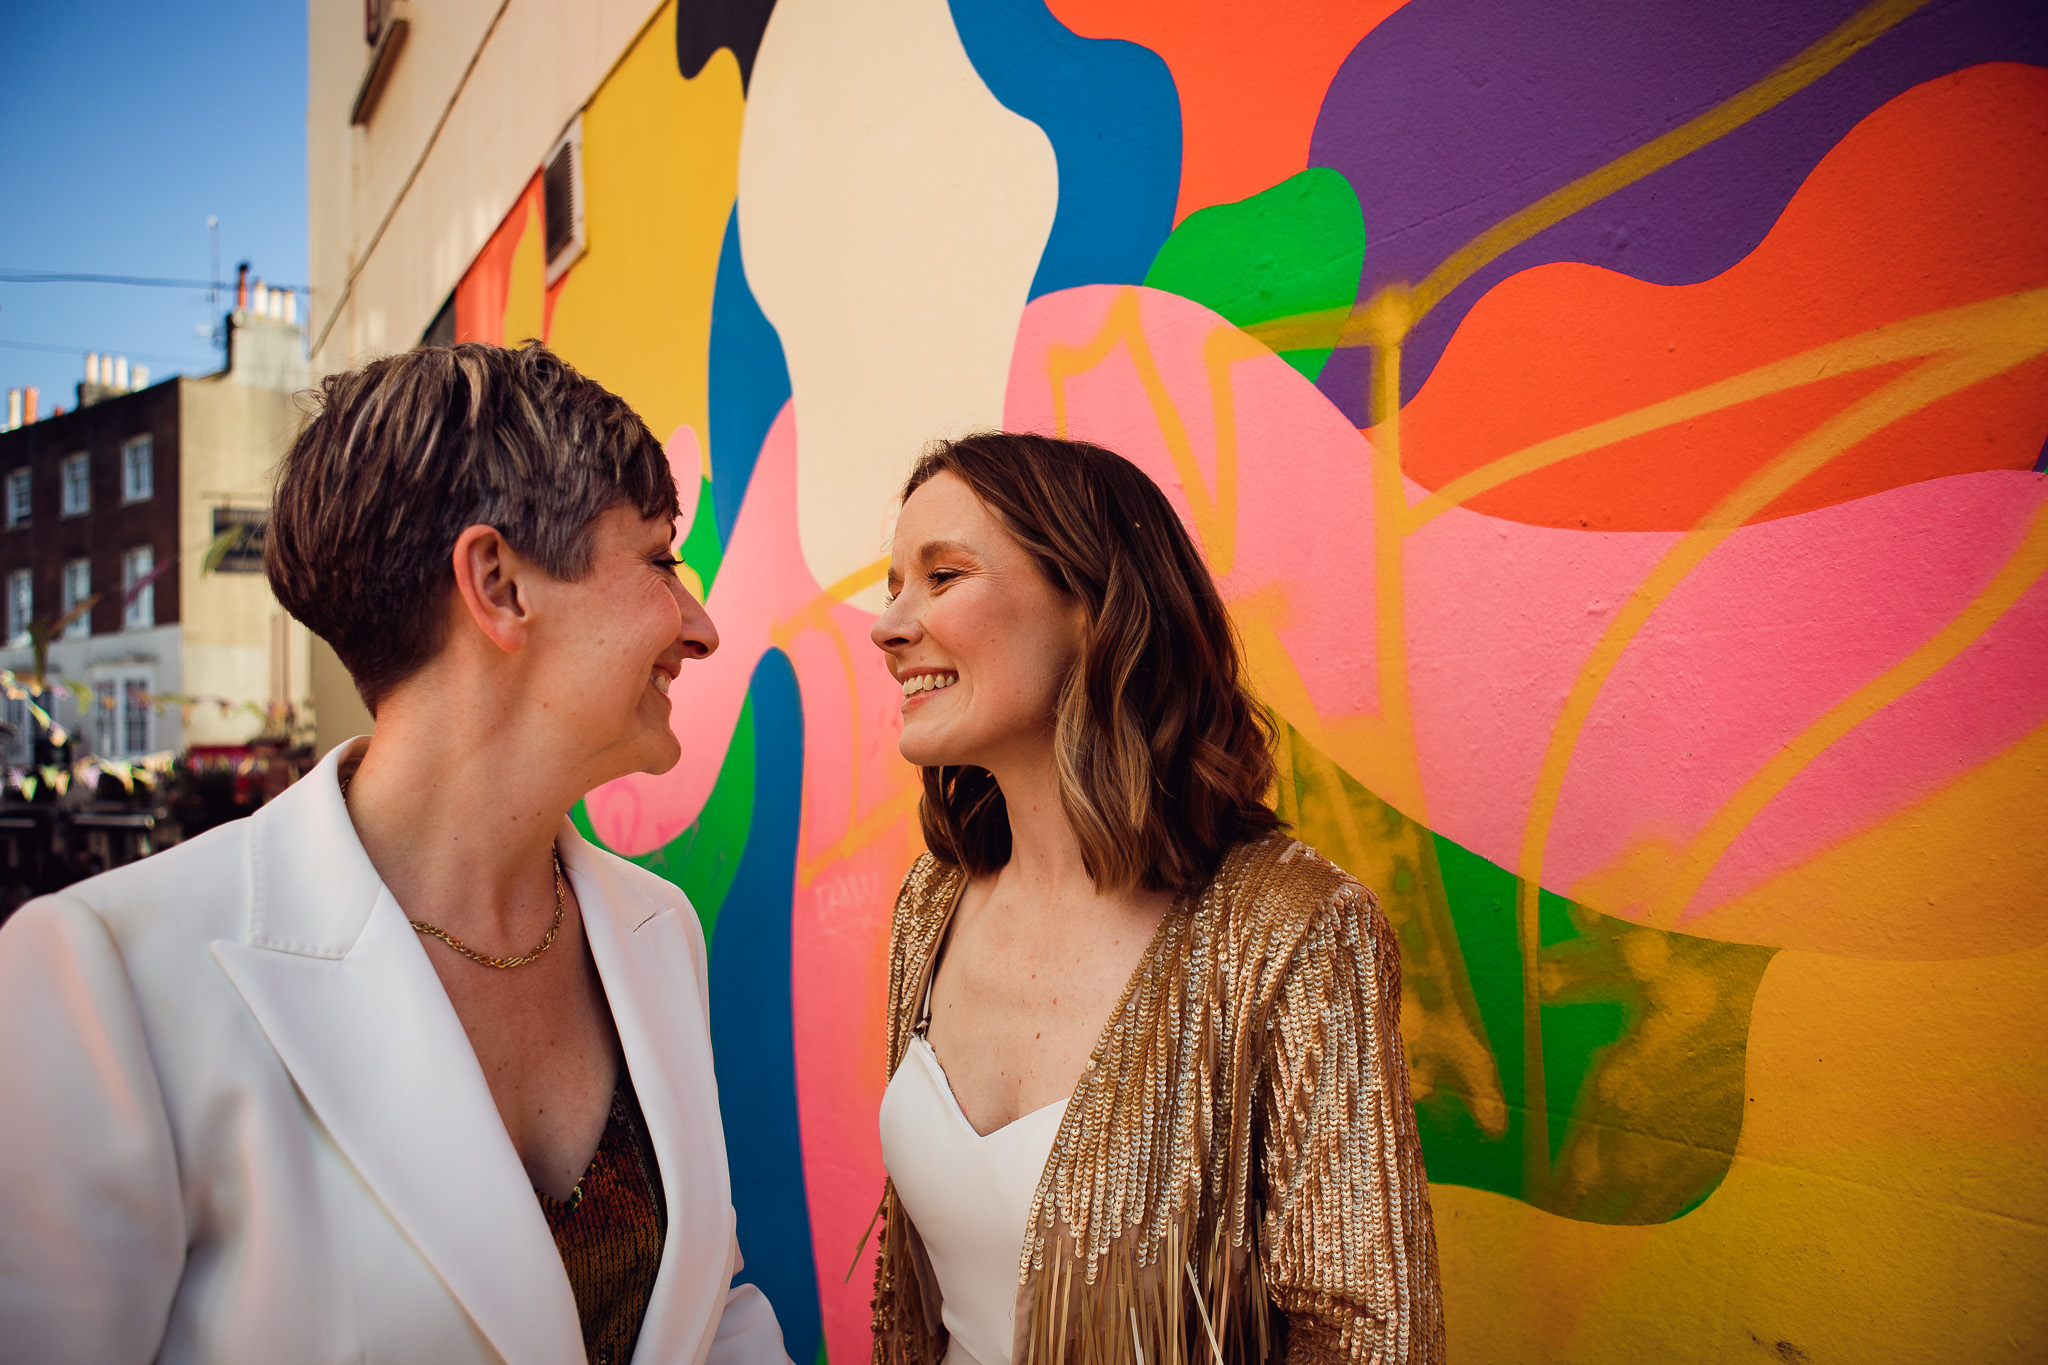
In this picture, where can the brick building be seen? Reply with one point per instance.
(121, 499)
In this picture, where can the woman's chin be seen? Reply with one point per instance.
(663, 753)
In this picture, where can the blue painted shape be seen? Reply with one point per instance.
(749, 382)
(1112, 114)
(752, 1034)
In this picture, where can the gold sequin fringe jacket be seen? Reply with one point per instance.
(1237, 1177)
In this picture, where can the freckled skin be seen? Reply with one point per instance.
(1036, 957)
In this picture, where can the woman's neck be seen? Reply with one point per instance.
(458, 808)
(1045, 853)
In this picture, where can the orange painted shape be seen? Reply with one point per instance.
(481, 295)
(1933, 201)
(1251, 78)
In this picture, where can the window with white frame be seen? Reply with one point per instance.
(138, 470)
(20, 746)
(106, 717)
(136, 567)
(17, 497)
(77, 484)
(138, 717)
(21, 605)
(78, 587)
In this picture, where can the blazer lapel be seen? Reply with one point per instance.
(651, 959)
(338, 981)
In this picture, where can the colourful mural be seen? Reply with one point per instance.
(1619, 434)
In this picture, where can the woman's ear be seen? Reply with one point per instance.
(488, 574)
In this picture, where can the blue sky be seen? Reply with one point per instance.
(122, 126)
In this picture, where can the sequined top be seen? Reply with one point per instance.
(610, 1232)
(1237, 1176)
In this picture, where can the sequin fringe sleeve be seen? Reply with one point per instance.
(1347, 1243)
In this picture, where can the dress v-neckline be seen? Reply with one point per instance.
(945, 1085)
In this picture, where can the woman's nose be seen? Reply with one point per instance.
(699, 635)
(895, 627)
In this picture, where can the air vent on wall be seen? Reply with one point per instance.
(561, 194)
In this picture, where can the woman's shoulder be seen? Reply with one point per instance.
(928, 890)
(1277, 889)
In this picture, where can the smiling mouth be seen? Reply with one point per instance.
(918, 683)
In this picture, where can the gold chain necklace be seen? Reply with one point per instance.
(501, 963)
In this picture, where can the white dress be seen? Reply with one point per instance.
(970, 1197)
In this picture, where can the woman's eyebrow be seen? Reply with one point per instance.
(934, 549)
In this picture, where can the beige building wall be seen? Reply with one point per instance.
(399, 207)
(238, 643)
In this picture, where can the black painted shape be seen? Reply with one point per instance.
(704, 26)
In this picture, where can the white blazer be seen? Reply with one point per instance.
(241, 1123)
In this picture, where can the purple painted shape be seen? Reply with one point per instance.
(1454, 114)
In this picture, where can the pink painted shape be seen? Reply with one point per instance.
(856, 838)
(686, 462)
(1989, 696)
(1780, 623)
(757, 581)
(1501, 616)
(1293, 449)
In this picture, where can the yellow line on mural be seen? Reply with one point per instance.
(1859, 31)
(2023, 335)
(1215, 511)
(2019, 573)
(867, 575)
(1385, 320)
(1350, 326)
(1910, 339)
(817, 615)
(1223, 349)
(861, 833)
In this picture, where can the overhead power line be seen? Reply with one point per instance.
(9, 275)
(165, 357)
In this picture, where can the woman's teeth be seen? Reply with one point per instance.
(661, 682)
(928, 682)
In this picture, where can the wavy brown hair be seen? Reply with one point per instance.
(1164, 759)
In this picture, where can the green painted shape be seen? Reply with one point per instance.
(1645, 1032)
(1573, 1033)
(700, 548)
(1298, 247)
(703, 858)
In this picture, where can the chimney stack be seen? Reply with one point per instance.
(121, 373)
(28, 404)
(291, 307)
(92, 367)
(262, 298)
(242, 287)
(13, 408)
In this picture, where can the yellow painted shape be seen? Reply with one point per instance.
(660, 169)
(1887, 1201)
(1958, 875)
(524, 291)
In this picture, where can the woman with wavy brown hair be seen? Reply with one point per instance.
(1147, 1096)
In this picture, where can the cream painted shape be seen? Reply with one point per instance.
(892, 214)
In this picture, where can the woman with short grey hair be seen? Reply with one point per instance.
(401, 1068)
